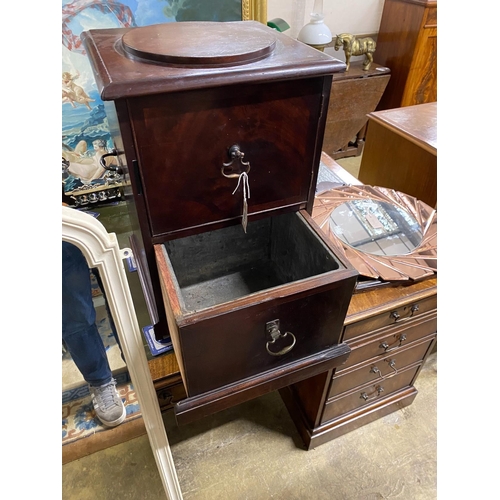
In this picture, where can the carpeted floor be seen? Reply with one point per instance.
(79, 420)
(82, 433)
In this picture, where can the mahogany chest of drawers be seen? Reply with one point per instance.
(390, 331)
(221, 126)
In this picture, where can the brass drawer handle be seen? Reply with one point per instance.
(272, 330)
(376, 370)
(385, 346)
(235, 154)
(378, 391)
(392, 364)
(397, 317)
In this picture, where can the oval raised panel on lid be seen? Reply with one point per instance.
(199, 43)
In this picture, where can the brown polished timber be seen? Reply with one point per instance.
(354, 94)
(401, 151)
(171, 123)
(222, 142)
(390, 331)
(407, 44)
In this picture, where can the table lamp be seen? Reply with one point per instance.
(316, 33)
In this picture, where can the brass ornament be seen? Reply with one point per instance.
(353, 46)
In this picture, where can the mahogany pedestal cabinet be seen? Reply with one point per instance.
(390, 331)
(221, 126)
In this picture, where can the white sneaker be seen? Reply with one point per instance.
(108, 405)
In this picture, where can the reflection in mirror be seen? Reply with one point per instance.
(376, 227)
(385, 234)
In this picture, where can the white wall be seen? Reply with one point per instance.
(341, 16)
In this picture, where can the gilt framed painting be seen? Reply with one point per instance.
(85, 132)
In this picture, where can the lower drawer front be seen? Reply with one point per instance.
(391, 340)
(376, 370)
(229, 348)
(368, 394)
(393, 317)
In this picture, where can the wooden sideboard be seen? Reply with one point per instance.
(390, 331)
(407, 44)
(401, 151)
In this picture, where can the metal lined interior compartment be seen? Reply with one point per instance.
(219, 266)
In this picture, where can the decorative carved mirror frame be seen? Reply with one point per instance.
(102, 251)
(421, 262)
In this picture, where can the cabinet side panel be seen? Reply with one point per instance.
(396, 43)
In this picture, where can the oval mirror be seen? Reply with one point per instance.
(376, 227)
(385, 234)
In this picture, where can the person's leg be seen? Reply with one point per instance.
(108, 310)
(79, 330)
(82, 338)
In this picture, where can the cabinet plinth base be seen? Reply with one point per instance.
(313, 437)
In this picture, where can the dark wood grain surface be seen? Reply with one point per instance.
(407, 44)
(120, 76)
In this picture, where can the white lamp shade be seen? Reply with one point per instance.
(316, 32)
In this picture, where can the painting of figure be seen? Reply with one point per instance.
(85, 130)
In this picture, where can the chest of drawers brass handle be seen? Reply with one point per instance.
(385, 346)
(397, 317)
(376, 370)
(392, 364)
(378, 391)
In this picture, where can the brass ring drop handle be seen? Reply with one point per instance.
(397, 316)
(235, 154)
(385, 346)
(379, 390)
(285, 349)
(273, 332)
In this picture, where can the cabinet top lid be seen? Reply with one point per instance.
(170, 57)
(185, 44)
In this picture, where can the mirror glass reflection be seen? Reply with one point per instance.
(376, 227)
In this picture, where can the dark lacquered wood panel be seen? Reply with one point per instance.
(196, 407)
(370, 303)
(119, 76)
(183, 141)
(406, 43)
(379, 369)
(391, 340)
(368, 394)
(398, 315)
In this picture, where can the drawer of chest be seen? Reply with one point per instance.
(192, 147)
(369, 394)
(243, 304)
(380, 368)
(390, 340)
(393, 317)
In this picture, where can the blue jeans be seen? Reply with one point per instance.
(79, 330)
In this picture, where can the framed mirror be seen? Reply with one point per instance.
(385, 234)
